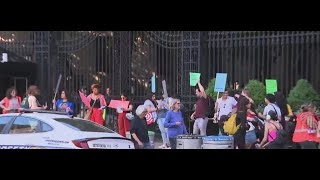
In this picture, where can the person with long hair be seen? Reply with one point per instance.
(241, 119)
(282, 102)
(33, 93)
(305, 133)
(152, 107)
(251, 136)
(123, 122)
(175, 123)
(11, 103)
(270, 131)
(63, 104)
(97, 103)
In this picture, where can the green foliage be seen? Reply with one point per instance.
(301, 93)
(257, 90)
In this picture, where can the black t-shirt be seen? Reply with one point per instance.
(95, 104)
(108, 99)
(241, 119)
(139, 127)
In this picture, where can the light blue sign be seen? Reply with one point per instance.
(221, 80)
(153, 84)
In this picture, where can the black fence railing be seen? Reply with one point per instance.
(124, 61)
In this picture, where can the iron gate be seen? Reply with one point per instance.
(124, 61)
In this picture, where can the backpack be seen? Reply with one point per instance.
(25, 103)
(230, 126)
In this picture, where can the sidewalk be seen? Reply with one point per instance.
(157, 140)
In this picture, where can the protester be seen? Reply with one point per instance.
(175, 123)
(270, 100)
(272, 126)
(97, 103)
(152, 107)
(199, 115)
(63, 104)
(33, 102)
(251, 134)
(163, 109)
(241, 119)
(82, 110)
(281, 102)
(11, 103)
(109, 117)
(139, 130)
(305, 132)
(123, 122)
(225, 106)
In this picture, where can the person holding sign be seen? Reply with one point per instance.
(63, 104)
(271, 86)
(194, 78)
(225, 106)
(199, 115)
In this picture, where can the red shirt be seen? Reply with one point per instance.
(201, 107)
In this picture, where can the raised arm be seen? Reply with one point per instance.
(202, 90)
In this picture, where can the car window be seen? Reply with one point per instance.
(46, 127)
(24, 125)
(72, 127)
(83, 125)
(4, 120)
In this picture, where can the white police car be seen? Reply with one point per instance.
(48, 130)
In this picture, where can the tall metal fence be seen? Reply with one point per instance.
(124, 61)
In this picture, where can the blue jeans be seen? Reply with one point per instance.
(163, 130)
(251, 137)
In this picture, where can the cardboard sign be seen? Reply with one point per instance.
(117, 103)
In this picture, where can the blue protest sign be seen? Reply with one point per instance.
(221, 80)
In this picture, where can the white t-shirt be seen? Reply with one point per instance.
(225, 107)
(251, 127)
(272, 107)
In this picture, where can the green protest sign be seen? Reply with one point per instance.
(194, 77)
(271, 86)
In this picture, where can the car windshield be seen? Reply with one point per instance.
(82, 125)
